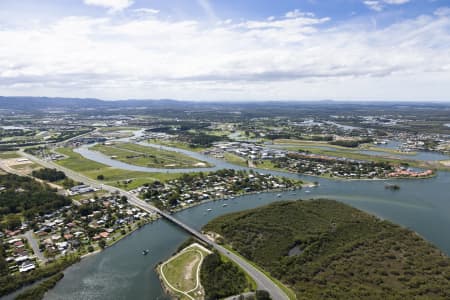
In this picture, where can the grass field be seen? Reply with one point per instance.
(176, 144)
(148, 156)
(312, 144)
(181, 273)
(112, 129)
(112, 176)
(234, 159)
(353, 154)
(9, 154)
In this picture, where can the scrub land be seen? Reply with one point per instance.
(322, 249)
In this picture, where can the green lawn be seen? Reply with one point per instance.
(182, 270)
(312, 144)
(234, 159)
(176, 144)
(112, 176)
(77, 162)
(9, 154)
(353, 154)
(148, 156)
(112, 129)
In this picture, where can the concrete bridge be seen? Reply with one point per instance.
(263, 282)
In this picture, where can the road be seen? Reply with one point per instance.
(262, 281)
(34, 245)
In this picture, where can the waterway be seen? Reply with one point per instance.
(419, 155)
(122, 272)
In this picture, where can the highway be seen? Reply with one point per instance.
(263, 282)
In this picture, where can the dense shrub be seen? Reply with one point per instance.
(51, 175)
(221, 279)
(344, 253)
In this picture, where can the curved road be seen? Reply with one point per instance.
(263, 282)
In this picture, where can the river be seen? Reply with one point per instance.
(122, 272)
(418, 155)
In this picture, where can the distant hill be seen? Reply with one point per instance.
(273, 107)
(46, 103)
(324, 249)
(31, 103)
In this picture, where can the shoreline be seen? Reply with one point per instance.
(163, 280)
(157, 217)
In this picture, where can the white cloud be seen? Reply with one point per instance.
(208, 9)
(297, 13)
(289, 58)
(112, 5)
(442, 11)
(397, 2)
(150, 11)
(378, 5)
(374, 5)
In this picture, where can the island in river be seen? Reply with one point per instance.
(323, 249)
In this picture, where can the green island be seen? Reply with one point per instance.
(196, 272)
(148, 156)
(323, 249)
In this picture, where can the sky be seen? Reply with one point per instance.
(353, 50)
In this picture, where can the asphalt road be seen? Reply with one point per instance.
(34, 245)
(263, 282)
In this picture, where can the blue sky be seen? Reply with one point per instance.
(220, 50)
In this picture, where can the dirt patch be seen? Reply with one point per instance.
(21, 166)
(189, 268)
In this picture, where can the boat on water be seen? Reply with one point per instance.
(145, 252)
(278, 195)
(307, 191)
(209, 209)
(223, 205)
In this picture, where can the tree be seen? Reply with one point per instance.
(101, 177)
(102, 244)
(13, 222)
(262, 295)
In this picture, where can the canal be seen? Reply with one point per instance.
(122, 272)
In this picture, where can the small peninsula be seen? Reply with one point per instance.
(323, 249)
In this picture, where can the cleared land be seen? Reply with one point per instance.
(148, 156)
(316, 144)
(353, 154)
(181, 273)
(324, 249)
(234, 159)
(9, 154)
(176, 144)
(18, 165)
(112, 176)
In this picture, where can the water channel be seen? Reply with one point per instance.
(122, 272)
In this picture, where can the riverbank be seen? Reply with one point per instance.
(180, 274)
(136, 228)
(338, 259)
(95, 276)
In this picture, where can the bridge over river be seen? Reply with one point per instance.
(263, 281)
